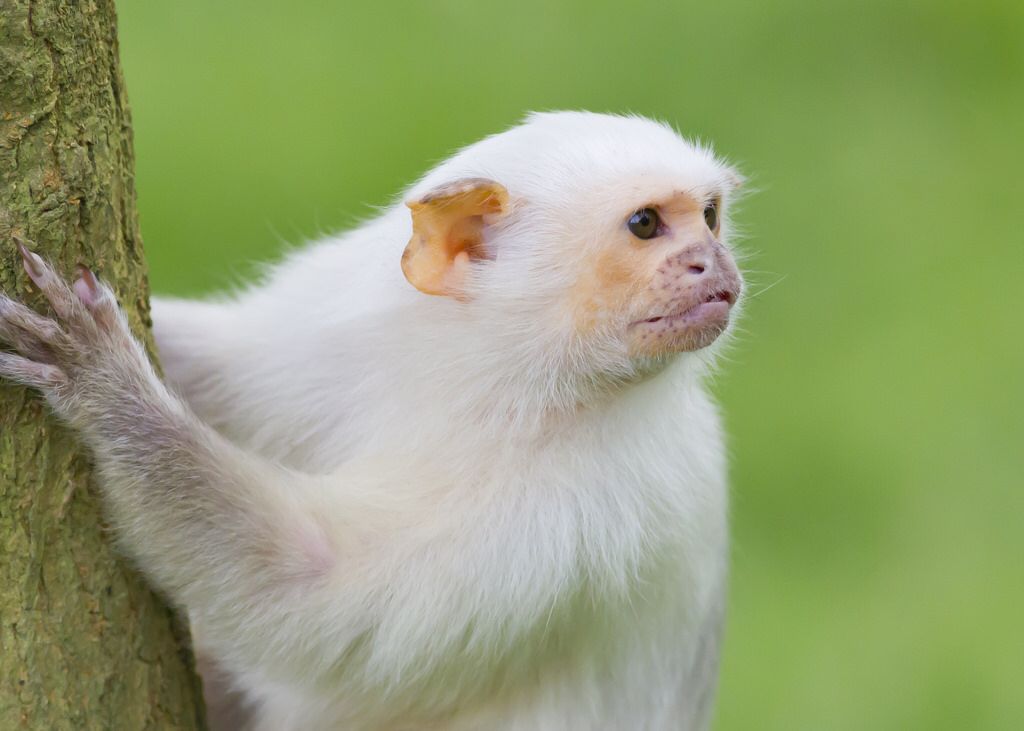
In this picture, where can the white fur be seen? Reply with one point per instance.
(516, 526)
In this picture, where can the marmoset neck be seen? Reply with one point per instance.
(484, 387)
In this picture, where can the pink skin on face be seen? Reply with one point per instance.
(695, 289)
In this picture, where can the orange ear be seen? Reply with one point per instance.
(447, 232)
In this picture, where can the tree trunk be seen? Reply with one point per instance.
(83, 643)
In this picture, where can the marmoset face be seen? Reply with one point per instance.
(660, 277)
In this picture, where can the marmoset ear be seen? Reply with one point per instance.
(447, 233)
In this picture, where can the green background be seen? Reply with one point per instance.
(874, 397)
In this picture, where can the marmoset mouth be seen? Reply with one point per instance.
(724, 296)
(690, 324)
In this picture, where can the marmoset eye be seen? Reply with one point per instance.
(644, 224)
(711, 215)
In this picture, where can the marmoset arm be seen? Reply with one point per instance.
(249, 547)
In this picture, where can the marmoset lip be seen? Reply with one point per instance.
(715, 305)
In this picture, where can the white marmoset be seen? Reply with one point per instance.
(453, 470)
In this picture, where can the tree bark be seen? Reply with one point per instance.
(83, 643)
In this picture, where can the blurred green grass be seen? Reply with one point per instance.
(875, 399)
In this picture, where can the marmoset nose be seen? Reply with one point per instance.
(695, 259)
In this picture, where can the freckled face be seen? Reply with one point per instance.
(663, 280)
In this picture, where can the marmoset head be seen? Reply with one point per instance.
(606, 233)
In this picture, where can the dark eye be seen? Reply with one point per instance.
(711, 215)
(644, 224)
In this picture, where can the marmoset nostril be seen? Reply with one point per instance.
(696, 269)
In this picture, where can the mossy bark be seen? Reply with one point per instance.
(84, 644)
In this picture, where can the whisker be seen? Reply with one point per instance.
(764, 289)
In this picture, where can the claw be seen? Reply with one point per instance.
(33, 264)
(53, 287)
(87, 287)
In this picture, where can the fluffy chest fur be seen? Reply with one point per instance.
(548, 593)
(587, 559)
